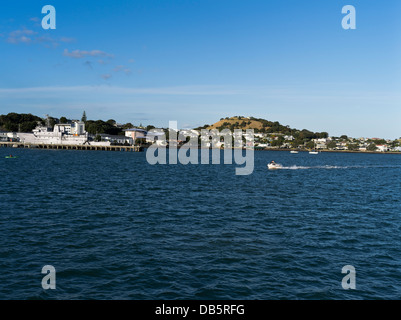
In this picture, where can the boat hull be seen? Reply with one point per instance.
(274, 166)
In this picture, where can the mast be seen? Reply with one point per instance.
(47, 121)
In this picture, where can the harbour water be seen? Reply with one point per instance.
(115, 227)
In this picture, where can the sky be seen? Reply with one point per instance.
(152, 61)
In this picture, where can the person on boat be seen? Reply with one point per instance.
(272, 162)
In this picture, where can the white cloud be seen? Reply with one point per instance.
(20, 36)
(122, 68)
(30, 36)
(78, 54)
(118, 68)
(66, 39)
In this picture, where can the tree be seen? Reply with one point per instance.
(138, 142)
(379, 142)
(100, 126)
(322, 135)
(19, 122)
(310, 145)
(150, 127)
(63, 120)
(331, 145)
(278, 143)
(352, 146)
(84, 119)
(295, 143)
(128, 125)
(111, 122)
(371, 147)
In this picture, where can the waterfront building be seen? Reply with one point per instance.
(8, 136)
(135, 133)
(116, 139)
(67, 134)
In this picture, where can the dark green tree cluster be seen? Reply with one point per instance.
(100, 126)
(19, 122)
(352, 146)
(377, 141)
(331, 145)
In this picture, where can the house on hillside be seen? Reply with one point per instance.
(382, 147)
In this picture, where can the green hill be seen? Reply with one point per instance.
(265, 126)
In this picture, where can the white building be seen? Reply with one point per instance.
(67, 134)
(382, 147)
(8, 136)
(116, 139)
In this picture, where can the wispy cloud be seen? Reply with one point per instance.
(47, 41)
(28, 36)
(106, 76)
(21, 36)
(78, 54)
(122, 68)
(67, 39)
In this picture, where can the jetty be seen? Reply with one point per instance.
(71, 147)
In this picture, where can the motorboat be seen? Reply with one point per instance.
(294, 151)
(274, 166)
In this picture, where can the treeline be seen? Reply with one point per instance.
(17, 122)
(21, 122)
(100, 126)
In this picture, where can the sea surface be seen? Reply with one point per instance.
(115, 227)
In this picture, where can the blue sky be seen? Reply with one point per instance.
(197, 61)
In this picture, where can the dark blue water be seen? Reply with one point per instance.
(115, 227)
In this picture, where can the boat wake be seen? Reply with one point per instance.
(312, 167)
(295, 167)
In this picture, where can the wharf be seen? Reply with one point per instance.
(70, 147)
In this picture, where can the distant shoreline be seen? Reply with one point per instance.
(332, 151)
(329, 151)
(141, 148)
